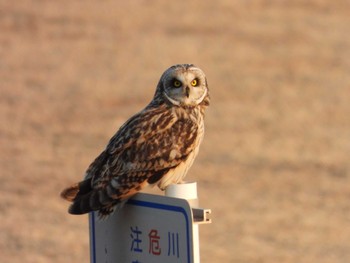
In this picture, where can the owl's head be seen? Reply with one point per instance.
(183, 85)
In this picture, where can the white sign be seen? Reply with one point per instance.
(148, 229)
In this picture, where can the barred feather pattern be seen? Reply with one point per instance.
(156, 146)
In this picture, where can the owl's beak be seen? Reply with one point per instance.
(187, 91)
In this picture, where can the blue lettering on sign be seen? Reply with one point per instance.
(173, 244)
(136, 241)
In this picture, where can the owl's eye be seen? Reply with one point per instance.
(194, 83)
(177, 83)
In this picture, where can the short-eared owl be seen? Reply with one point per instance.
(155, 146)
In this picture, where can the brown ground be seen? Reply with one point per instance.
(274, 166)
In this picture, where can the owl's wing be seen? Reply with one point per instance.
(144, 149)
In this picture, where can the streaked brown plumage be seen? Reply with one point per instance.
(155, 146)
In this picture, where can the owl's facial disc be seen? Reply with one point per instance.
(185, 87)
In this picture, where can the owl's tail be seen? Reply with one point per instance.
(75, 190)
(85, 199)
(80, 194)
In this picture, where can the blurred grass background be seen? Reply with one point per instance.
(274, 166)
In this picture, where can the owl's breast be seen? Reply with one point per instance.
(178, 173)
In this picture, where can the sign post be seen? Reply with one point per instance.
(149, 228)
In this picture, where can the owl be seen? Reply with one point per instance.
(156, 146)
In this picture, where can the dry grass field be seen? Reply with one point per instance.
(274, 166)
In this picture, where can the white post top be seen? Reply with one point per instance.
(186, 190)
